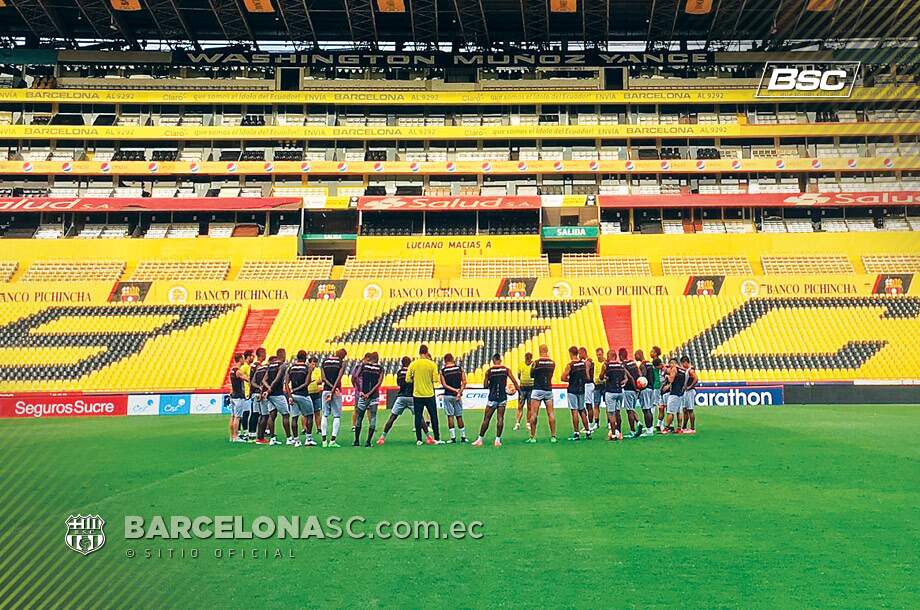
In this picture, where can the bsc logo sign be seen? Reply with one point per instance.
(84, 533)
(831, 79)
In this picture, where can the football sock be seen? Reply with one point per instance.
(463, 432)
(453, 433)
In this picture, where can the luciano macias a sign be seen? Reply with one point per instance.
(443, 59)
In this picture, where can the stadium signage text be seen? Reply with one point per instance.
(821, 288)
(521, 59)
(437, 204)
(53, 405)
(739, 396)
(829, 79)
(116, 204)
(772, 200)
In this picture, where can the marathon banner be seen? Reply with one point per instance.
(147, 204)
(449, 203)
(763, 200)
(739, 396)
(62, 405)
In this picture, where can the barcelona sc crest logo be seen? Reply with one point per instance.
(84, 533)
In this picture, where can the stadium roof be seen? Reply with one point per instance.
(481, 23)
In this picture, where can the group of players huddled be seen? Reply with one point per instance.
(309, 392)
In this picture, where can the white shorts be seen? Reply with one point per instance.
(589, 393)
(402, 403)
(453, 406)
(278, 403)
(332, 404)
(302, 405)
(238, 405)
(613, 401)
(689, 399)
(674, 404)
(576, 401)
(630, 397)
(646, 399)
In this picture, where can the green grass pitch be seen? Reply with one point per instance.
(783, 507)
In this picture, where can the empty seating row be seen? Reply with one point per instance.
(505, 267)
(74, 271)
(306, 267)
(151, 270)
(707, 265)
(356, 269)
(895, 263)
(806, 264)
(590, 265)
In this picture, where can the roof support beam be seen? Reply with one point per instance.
(361, 21)
(424, 18)
(170, 23)
(232, 21)
(596, 24)
(104, 21)
(40, 19)
(661, 23)
(535, 17)
(296, 18)
(472, 21)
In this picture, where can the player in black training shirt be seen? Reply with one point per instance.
(237, 398)
(331, 371)
(575, 374)
(258, 420)
(371, 378)
(542, 373)
(299, 376)
(630, 391)
(453, 380)
(403, 402)
(497, 378)
(677, 379)
(614, 375)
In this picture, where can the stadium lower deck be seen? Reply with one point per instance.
(167, 315)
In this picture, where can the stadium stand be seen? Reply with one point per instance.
(73, 271)
(356, 269)
(505, 267)
(116, 347)
(896, 263)
(181, 270)
(791, 265)
(311, 267)
(7, 270)
(590, 265)
(710, 265)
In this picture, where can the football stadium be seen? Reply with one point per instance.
(564, 303)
